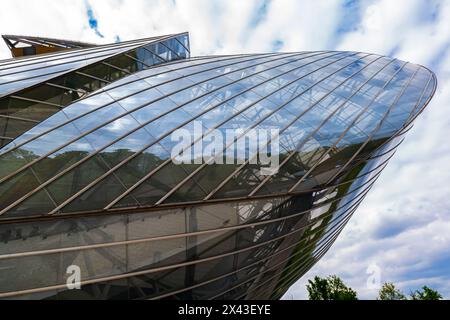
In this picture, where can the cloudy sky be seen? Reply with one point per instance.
(403, 227)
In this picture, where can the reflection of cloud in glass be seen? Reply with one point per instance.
(121, 124)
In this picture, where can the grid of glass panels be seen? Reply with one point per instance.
(58, 80)
(340, 116)
(236, 250)
(13, 74)
(112, 150)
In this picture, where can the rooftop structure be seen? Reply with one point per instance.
(89, 177)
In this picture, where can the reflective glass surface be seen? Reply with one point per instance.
(62, 79)
(91, 158)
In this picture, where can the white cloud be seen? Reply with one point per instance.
(403, 225)
(216, 27)
(299, 24)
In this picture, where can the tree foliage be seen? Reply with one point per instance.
(389, 292)
(330, 288)
(333, 288)
(425, 293)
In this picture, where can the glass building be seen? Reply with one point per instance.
(87, 176)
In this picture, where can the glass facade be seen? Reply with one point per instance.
(33, 89)
(88, 178)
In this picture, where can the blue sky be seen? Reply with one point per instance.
(403, 226)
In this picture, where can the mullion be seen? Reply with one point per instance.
(221, 103)
(111, 120)
(82, 58)
(377, 128)
(156, 55)
(336, 185)
(136, 154)
(114, 67)
(315, 131)
(67, 89)
(176, 39)
(18, 118)
(325, 121)
(213, 258)
(342, 136)
(171, 50)
(297, 117)
(65, 55)
(226, 120)
(127, 96)
(36, 101)
(326, 246)
(65, 71)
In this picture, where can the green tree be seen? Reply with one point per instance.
(425, 294)
(330, 288)
(389, 292)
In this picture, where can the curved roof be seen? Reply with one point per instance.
(112, 149)
(29, 46)
(18, 74)
(34, 88)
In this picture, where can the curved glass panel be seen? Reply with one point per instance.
(202, 178)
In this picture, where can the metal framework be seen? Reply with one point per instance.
(28, 46)
(128, 275)
(197, 233)
(110, 55)
(85, 157)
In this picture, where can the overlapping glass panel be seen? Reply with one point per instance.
(64, 78)
(96, 168)
(324, 104)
